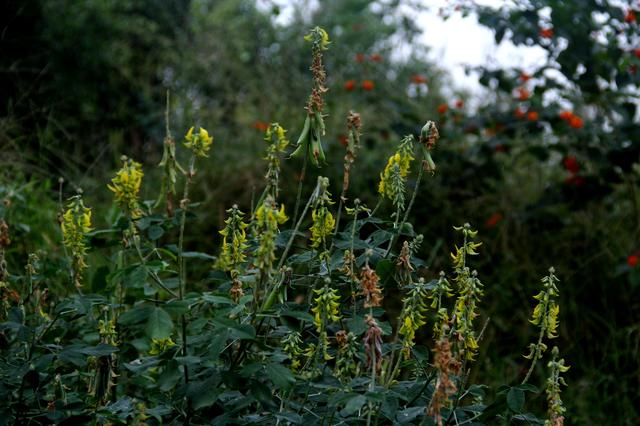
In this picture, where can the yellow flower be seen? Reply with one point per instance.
(394, 174)
(159, 346)
(323, 224)
(198, 143)
(76, 224)
(318, 36)
(126, 186)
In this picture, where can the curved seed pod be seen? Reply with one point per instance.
(320, 122)
(303, 140)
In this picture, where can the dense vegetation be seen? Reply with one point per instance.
(170, 304)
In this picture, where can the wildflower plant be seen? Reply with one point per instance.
(76, 225)
(168, 335)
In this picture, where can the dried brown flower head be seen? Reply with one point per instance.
(370, 290)
(373, 344)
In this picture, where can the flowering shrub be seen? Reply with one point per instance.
(287, 325)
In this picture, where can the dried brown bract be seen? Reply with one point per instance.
(373, 344)
(370, 290)
(446, 365)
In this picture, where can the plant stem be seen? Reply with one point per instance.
(303, 173)
(534, 360)
(182, 275)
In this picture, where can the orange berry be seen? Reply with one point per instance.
(376, 57)
(349, 85)
(360, 58)
(532, 116)
(368, 85)
(442, 108)
(576, 122)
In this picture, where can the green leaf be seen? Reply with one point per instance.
(205, 393)
(280, 375)
(159, 324)
(135, 315)
(515, 400)
(136, 277)
(353, 405)
(409, 414)
(197, 255)
(102, 349)
(155, 232)
(301, 315)
(169, 377)
(530, 418)
(238, 331)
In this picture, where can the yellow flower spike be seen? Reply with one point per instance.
(126, 186)
(75, 225)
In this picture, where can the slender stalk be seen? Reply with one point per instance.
(182, 274)
(303, 173)
(372, 383)
(534, 360)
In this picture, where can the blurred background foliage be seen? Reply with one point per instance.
(546, 165)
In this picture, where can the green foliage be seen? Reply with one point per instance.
(159, 339)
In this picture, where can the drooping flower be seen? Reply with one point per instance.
(276, 138)
(126, 186)
(412, 316)
(267, 219)
(160, 346)
(326, 311)
(76, 224)
(234, 240)
(199, 143)
(323, 221)
(392, 179)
